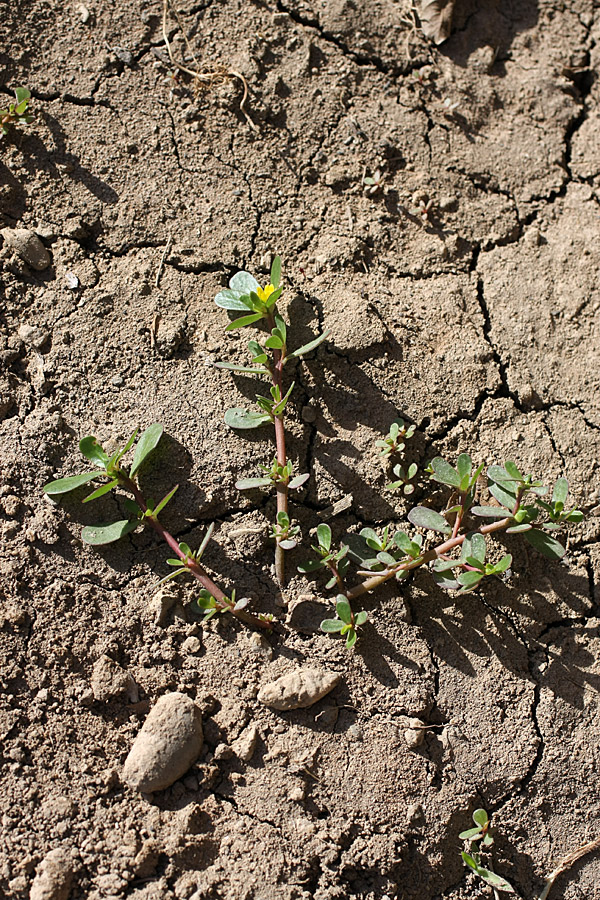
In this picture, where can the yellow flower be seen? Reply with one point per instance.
(264, 293)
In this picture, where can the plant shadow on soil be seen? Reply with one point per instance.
(480, 23)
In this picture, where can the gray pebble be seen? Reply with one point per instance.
(169, 742)
(298, 689)
(28, 246)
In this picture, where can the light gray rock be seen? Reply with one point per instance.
(169, 742)
(298, 689)
(109, 680)
(28, 246)
(245, 745)
(54, 877)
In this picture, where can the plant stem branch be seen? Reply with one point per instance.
(435, 553)
(282, 488)
(199, 573)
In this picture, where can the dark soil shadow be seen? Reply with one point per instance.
(492, 23)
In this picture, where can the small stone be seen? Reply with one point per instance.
(260, 645)
(355, 732)
(169, 742)
(222, 751)
(299, 689)
(245, 745)
(125, 56)
(191, 645)
(109, 680)
(146, 860)
(414, 735)
(160, 606)
(309, 414)
(33, 336)
(54, 877)
(84, 14)
(297, 794)
(28, 246)
(71, 280)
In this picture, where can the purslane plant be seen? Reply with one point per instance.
(144, 512)
(16, 112)
(459, 561)
(253, 306)
(480, 838)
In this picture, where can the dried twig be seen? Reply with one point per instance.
(204, 77)
(566, 863)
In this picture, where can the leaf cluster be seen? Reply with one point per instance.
(346, 622)
(16, 112)
(110, 468)
(395, 440)
(480, 837)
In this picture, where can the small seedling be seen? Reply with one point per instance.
(144, 512)
(404, 479)
(373, 183)
(16, 114)
(450, 106)
(258, 309)
(479, 839)
(395, 440)
(520, 510)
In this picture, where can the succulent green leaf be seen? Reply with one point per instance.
(127, 446)
(464, 465)
(343, 609)
(93, 451)
(444, 565)
(232, 367)
(243, 418)
(247, 484)
(481, 818)
(386, 558)
(503, 564)
(504, 493)
(311, 565)
(360, 618)
(164, 501)
(331, 625)
(70, 483)
(186, 550)
(470, 834)
(444, 581)
(131, 506)
(22, 94)
(371, 538)
(276, 272)
(559, 494)
(324, 536)
(575, 516)
(103, 489)
(274, 342)
(469, 580)
(351, 639)
(444, 472)
(243, 282)
(107, 534)
(491, 512)
(236, 301)
(402, 540)
(423, 517)
(146, 444)
(279, 407)
(242, 321)
(470, 862)
(298, 481)
(474, 547)
(512, 470)
(205, 540)
(175, 562)
(545, 544)
(306, 348)
(517, 529)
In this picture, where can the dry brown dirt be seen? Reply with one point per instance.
(481, 325)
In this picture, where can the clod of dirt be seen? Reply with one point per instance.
(299, 689)
(33, 335)
(53, 878)
(109, 680)
(169, 742)
(245, 745)
(28, 246)
(414, 735)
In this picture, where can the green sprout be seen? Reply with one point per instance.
(144, 512)
(16, 113)
(479, 838)
(395, 440)
(254, 306)
(373, 183)
(404, 479)
(458, 560)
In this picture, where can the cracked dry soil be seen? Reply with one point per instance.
(480, 324)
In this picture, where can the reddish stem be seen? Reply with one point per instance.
(281, 486)
(199, 573)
